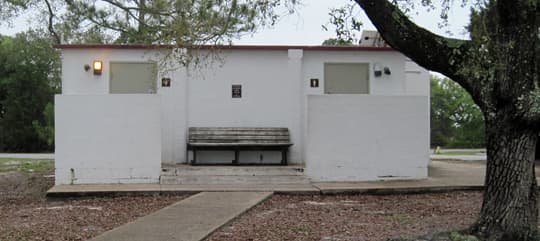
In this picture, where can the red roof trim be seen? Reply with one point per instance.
(234, 47)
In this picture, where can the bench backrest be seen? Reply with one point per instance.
(244, 135)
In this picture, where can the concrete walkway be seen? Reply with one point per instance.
(49, 156)
(191, 219)
(443, 157)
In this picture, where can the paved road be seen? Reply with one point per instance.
(28, 155)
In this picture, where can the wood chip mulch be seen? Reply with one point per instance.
(26, 215)
(353, 217)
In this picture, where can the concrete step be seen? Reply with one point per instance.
(234, 179)
(183, 170)
(212, 175)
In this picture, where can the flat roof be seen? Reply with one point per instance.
(233, 47)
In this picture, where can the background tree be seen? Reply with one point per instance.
(29, 78)
(456, 121)
(177, 22)
(499, 67)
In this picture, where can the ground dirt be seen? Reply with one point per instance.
(353, 217)
(25, 214)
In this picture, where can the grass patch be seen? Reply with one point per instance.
(26, 165)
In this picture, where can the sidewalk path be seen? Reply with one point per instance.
(193, 218)
(443, 157)
(49, 156)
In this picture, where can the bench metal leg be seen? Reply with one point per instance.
(194, 160)
(236, 156)
(284, 157)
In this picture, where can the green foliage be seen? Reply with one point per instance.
(179, 22)
(345, 22)
(45, 131)
(455, 236)
(337, 42)
(456, 121)
(29, 77)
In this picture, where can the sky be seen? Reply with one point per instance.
(304, 27)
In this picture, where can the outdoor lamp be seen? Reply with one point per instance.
(377, 70)
(98, 67)
(387, 70)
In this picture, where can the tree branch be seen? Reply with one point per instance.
(50, 24)
(431, 51)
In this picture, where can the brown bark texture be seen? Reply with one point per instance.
(509, 209)
(499, 67)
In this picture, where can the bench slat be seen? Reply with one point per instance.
(284, 144)
(247, 133)
(191, 129)
(236, 137)
(240, 141)
(239, 138)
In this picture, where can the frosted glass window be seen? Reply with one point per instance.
(346, 78)
(133, 78)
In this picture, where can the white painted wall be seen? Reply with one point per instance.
(363, 137)
(275, 89)
(107, 139)
(416, 79)
(271, 95)
(75, 81)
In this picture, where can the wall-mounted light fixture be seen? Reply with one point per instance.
(98, 67)
(387, 71)
(377, 70)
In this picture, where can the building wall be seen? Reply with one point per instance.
(75, 81)
(275, 90)
(362, 137)
(107, 139)
(270, 98)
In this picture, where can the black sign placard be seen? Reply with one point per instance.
(166, 82)
(237, 91)
(314, 83)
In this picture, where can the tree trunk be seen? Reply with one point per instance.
(509, 210)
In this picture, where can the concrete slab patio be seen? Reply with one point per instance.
(191, 219)
(443, 175)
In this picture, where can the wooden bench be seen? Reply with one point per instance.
(238, 139)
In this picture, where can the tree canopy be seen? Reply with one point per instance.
(456, 122)
(177, 22)
(29, 77)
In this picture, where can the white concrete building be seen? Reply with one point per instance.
(354, 113)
